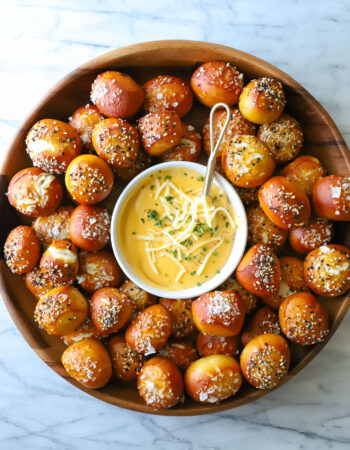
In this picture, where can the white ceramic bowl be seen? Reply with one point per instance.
(238, 246)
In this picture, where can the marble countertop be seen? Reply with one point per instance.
(43, 40)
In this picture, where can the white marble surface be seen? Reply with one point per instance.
(43, 40)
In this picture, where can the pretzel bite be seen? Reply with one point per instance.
(110, 310)
(142, 299)
(248, 196)
(331, 198)
(284, 203)
(85, 331)
(265, 360)
(89, 179)
(160, 131)
(61, 310)
(116, 94)
(259, 271)
(237, 126)
(89, 227)
(160, 383)
(22, 249)
(264, 321)
(247, 161)
(181, 353)
(150, 330)
(213, 378)
(316, 232)
(98, 270)
(34, 192)
(52, 145)
(217, 345)
(60, 262)
(38, 283)
(283, 136)
(304, 171)
(126, 363)
(84, 120)
(88, 362)
(249, 299)
(219, 313)
(303, 320)
(262, 230)
(142, 162)
(215, 82)
(327, 270)
(262, 100)
(189, 148)
(167, 92)
(181, 314)
(53, 227)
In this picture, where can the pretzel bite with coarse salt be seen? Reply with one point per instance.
(160, 131)
(189, 148)
(259, 271)
(89, 227)
(181, 353)
(303, 320)
(110, 310)
(219, 313)
(327, 270)
(52, 145)
(150, 330)
(215, 82)
(38, 283)
(265, 360)
(167, 92)
(53, 227)
(284, 203)
(262, 100)
(126, 363)
(218, 345)
(142, 162)
(247, 161)
(89, 179)
(34, 192)
(88, 362)
(60, 262)
(213, 378)
(84, 120)
(142, 298)
(160, 383)
(316, 232)
(249, 299)
(61, 310)
(22, 249)
(116, 94)
(85, 331)
(265, 320)
(181, 314)
(331, 197)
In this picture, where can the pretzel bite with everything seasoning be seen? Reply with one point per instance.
(247, 161)
(189, 148)
(38, 283)
(283, 136)
(265, 320)
(327, 270)
(259, 271)
(213, 378)
(116, 94)
(316, 232)
(218, 345)
(89, 179)
(181, 353)
(262, 100)
(142, 298)
(89, 227)
(142, 162)
(110, 310)
(160, 131)
(304, 171)
(61, 310)
(150, 330)
(219, 313)
(60, 263)
(52, 145)
(215, 82)
(126, 363)
(34, 192)
(22, 249)
(181, 314)
(249, 299)
(160, 383)
(86, 330)
(88, 362)
(265, 360)
(284, 203)
(262, 230)
(167, 92)
(248, 196)
(331, 197)
(303, 320)
(53, 227)
(98, 270)
(84, 120)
